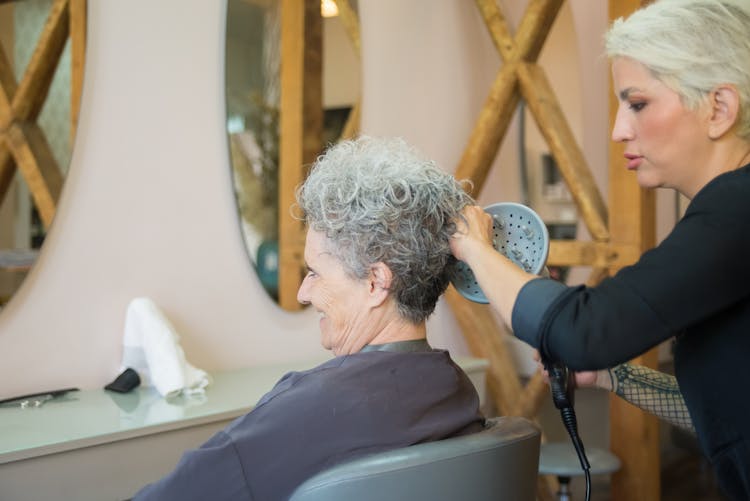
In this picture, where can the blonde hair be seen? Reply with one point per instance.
(692, 46)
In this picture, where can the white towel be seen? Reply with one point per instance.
(151, 347)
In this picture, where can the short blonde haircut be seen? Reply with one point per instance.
(692, 46)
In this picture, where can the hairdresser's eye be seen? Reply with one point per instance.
(637, 106)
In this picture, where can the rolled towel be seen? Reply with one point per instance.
(151, 346)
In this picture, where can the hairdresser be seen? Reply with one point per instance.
(681, 72)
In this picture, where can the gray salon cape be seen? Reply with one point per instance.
(348, 407)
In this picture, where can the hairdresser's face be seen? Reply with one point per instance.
(666, 144)
(340, 299)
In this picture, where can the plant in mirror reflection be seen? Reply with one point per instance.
(255, 161)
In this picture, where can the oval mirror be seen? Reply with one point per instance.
(42, 45)
(253, 58)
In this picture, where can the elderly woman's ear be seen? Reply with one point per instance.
(379, 281)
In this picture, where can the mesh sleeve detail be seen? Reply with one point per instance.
(651, 391)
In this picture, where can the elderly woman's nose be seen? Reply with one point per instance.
(303, 293)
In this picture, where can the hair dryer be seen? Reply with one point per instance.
(521, 235)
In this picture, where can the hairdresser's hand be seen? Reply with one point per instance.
(473, 230)
(583, 379)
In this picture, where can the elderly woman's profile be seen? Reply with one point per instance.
(379, 218)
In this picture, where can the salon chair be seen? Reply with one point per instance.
(498, 463)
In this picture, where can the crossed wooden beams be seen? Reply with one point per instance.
(23, 145)
(521, 76)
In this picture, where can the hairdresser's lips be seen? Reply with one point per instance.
(633, 161)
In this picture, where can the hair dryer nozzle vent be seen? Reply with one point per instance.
(519, 234)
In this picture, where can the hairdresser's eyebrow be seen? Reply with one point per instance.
(625, 93)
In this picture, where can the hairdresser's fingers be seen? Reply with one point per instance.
(473, 227)
(585, 379)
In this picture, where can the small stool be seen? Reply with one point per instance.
(560, 459)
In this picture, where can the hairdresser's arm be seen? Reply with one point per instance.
(648, 389)
(499, 278)
(652, 391)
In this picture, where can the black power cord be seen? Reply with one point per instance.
(561, 386)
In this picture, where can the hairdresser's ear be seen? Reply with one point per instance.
(379, 282)
(724, 101)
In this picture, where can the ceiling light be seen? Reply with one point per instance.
(328, 8)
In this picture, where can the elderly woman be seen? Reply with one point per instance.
(681, 70)
(379, 218)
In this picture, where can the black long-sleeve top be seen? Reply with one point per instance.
(694, 286)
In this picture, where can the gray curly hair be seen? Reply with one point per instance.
(380, 200)
(691, 46)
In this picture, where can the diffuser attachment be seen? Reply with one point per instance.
(519, 234)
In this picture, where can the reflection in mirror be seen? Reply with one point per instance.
(253, 53)
(41, 51)
(252, 80)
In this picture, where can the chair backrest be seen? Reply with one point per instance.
(500, 462)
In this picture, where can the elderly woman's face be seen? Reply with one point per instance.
(340, 299)
(666, 144)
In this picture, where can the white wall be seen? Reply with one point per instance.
(148, 207)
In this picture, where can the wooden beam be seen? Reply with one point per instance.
(502, 100)
(351, 24)
(486, 339)
(481, 332)
(351, 127)
(594, 254)
(7, 168)
(38, 167)
(7, 89)
(301, 126)
(490, 128)
(535, 25)
(554, 127)
(33, 88)
(77, 60)
(634, 435)
(498, 28)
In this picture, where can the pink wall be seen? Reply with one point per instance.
(427, 79)
(147, 210)
(148, 207)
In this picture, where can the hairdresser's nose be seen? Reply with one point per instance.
(622, 129)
